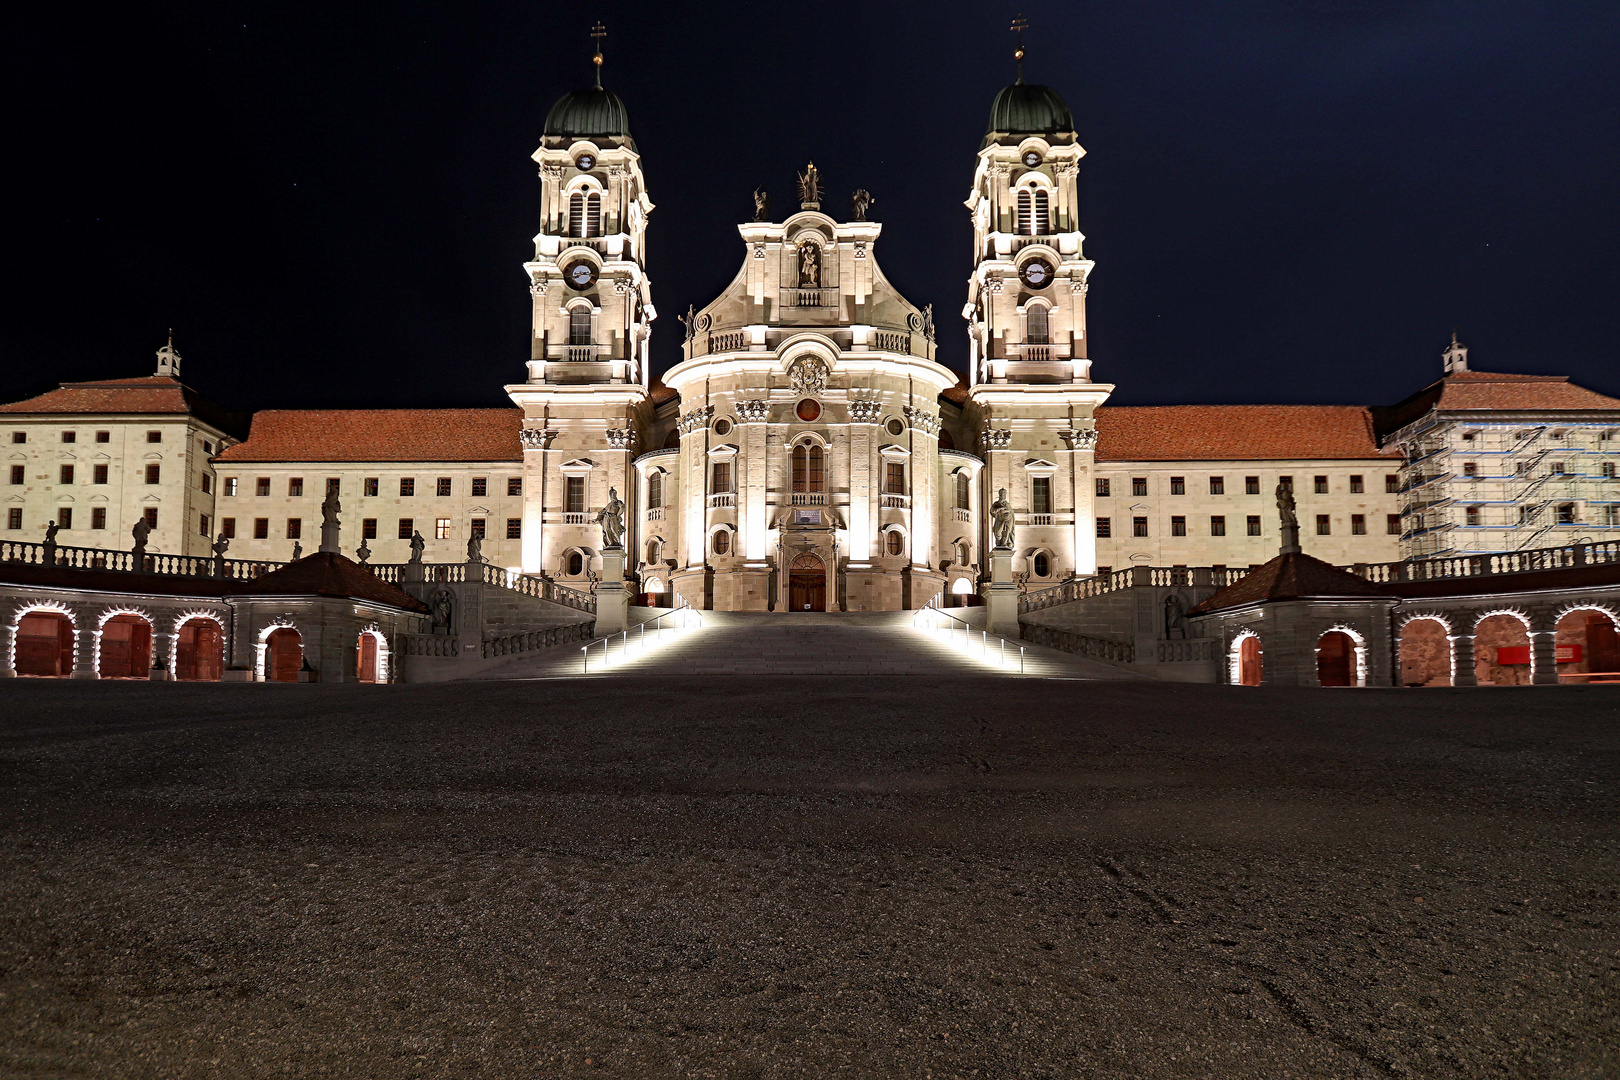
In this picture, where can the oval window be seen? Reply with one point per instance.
(895, 426)
(576, 564)
(1043, 565)
(722, 542)
(722, 426)
(808, 410)
(895, 543)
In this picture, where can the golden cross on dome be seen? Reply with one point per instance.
(1019, 25)
(598, 32)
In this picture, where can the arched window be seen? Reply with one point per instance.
(579, 326)
(576, 564)
(653, 551)
(1043, 221)
(722, 542)
(576, 214)
(896, 543)
(1035, 326)
(962, 491)
(655, 490)
(585, 214)
(809, 471)
(1043, 564)
(593, 213)
(1024, 214)
(961, 554)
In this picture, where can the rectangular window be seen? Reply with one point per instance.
(295, 487)
(1357, 486)
(1217, 525)
(261, 528)
(1471, 515)
(441, 528)
(98, 517)
(1178, 485)
(202, 520)
(480, 487)
(575, 495)
(1470, 469)
(1035, 324)
(407, 486)
(14, 517)
(1138, 485)
(579, 326)
(1139, 526)
(368, 528)
(1324, 525)
(1105, 528)
(1608, 470)
(895, 473)
(64, 517)
(720, 476)
(444, 486)
(1217, 485)
(154, 436)
(1251, 485)
(334, 485)
(1040, 495)
(514, 486)
(208, 447)
(1392, 524)
(67, 474)
(70, 436)
(1358, 524)
(151, 517)
(1392, 483)
(227, 528)
(99, 474)
(261, 486)
(1254, 524)
(1468, 436)
(514, 528)
(477, 528)
(106, 436)
(1556, 468)
(207, 483)
(295, 528)
(19, 436)
(153, 472)
(230, 486)
(1178, 526)
(1286, 481)
(1321, 485)
(18, 474)
(407, 526)
(1102, 487)
(369, 488)
(1566, 514)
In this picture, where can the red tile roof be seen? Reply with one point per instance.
(149, 395)
(660, 393)
(326, 573)
(958, 394)
(1497, 392)
(1293, 576)
(382, 435)
(1235, 433)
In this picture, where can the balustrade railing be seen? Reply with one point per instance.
(963, 514)
(572, 517)
(152, 562)
(427, 644)
(730, 341)
(723, 498)
(809, 498)
(530, 640)
(897, 502)
(1036, 352)
(655, 513)
(1095, 648)
(1502, 562)
(1040, 519)
(582, 354)
(889, 341)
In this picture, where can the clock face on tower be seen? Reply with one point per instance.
(580, 275)
(1037, 273)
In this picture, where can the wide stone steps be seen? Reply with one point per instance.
(761, 643)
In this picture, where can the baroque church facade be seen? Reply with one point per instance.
(808, 452)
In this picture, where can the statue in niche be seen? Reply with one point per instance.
(442, 605)
(611, 518)
(858, 203)
(809, 266)
(810, 188)
(762, 205)
(1175, 617)
(1001, 520)
(1285, 506)
(418, 545)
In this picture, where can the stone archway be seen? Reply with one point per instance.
(44, 644)
(1502, 654)
(1587, 646)
(807, 583)
(1425, 653)
(1336, 659)
(126, 647)
(199, 650)
(284, 655)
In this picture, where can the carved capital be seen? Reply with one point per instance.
(696, 420)
(922, 420)
(1079, 438)
(995, 438)
(552, 172)
(621, 438)
(536, 438)
(865, 412)
(753, 412)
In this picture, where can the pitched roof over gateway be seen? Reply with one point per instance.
(149, 395)
(327, 573)
(408, 435)
(1494, 391)
(1290, 576)
(1235, 433)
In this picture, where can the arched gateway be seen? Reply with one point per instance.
(807, 583)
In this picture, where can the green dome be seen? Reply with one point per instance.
(1023, 109)
(587, 114)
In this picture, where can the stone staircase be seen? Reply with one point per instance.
(847, 643)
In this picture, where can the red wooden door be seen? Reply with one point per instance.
(1335, 655)
(44, 645)
(1249, 671)
(286, 656)
(368, 658)
(199, 652)
(807, 583)
(126, 648)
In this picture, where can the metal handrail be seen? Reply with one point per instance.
(686, 611)
(967, 628)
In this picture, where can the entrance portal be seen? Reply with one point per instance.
(807, 583)
(368, 657)
(1335, 659)
(285, 655)
(45, 645)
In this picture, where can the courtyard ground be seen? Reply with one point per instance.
(807, 877)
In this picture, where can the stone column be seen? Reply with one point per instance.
(1462, 660)
(612, 599)
(8, 642)
(1001, 598)
(84, 652)
(162, 652)
(1544, 657)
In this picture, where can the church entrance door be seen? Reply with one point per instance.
(807, 583)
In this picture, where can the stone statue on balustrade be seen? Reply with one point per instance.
(140, 532)
(363, 552)
(762, 205)
(49, 558)
(329, 509)
(611, 518)
(1001, 520)
(858, 204)
(298, 550)
(475, 548)
(418, 545)
(219, 547)
(1285, 505)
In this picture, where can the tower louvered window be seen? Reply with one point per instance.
(593, 214)
(1036, 328)
(585, 214)
(1024, 214)
(1043, 220)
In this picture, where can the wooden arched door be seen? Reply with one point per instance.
(368, 657)
(285, 655)
(199, 654)
(1249, 670)
(126, 648)
(807, 583)
(44, 645)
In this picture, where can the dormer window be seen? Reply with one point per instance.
(585, 214)
(1033, 218)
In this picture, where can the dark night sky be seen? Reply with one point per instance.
(1287, 201)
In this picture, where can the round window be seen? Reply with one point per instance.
(1032, 158)
(722, 426)
(585, 163)
(808, 410)
(722, 542)
(894, 426)
(1043, 565)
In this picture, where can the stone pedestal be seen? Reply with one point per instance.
(330, 541)
(612, 598)
(1001, 598)
(411, 580)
